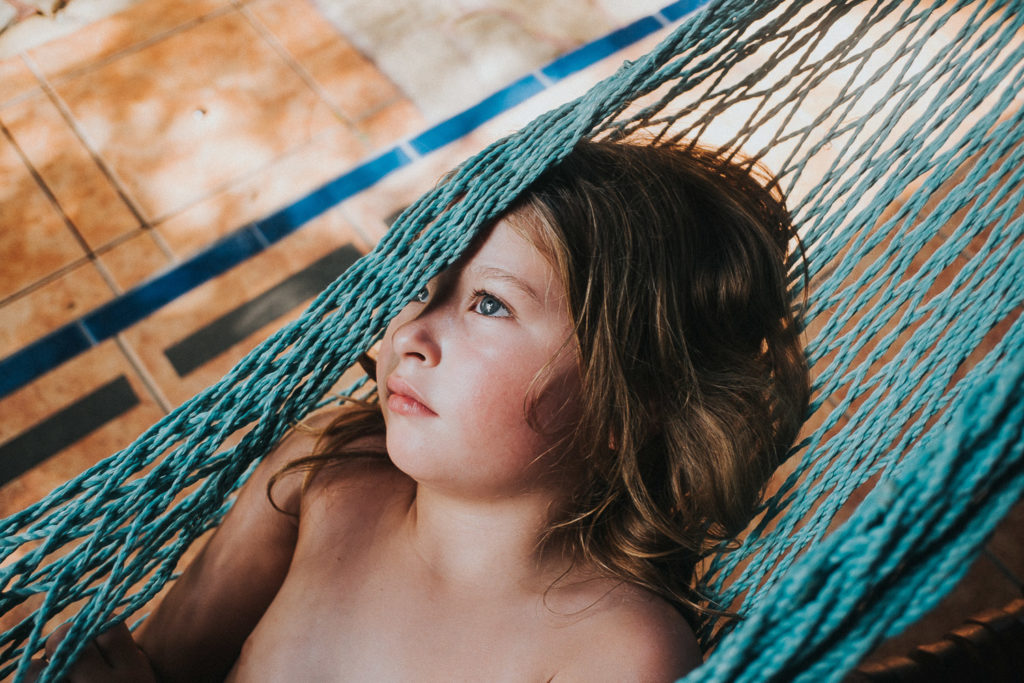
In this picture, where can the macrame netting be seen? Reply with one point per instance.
(895, 127)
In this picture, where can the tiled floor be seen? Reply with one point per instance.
(172, 140)
(169, 140)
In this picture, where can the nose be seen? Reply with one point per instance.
(415, 339)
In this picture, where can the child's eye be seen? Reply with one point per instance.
(490, 306)
(421, 296)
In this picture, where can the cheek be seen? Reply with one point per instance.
(536, 411)
(556, 408)
(386, 351)
(383, 361)
(494, 402)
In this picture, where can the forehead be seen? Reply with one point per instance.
(507, 251)
(511, 244)
(534, 229)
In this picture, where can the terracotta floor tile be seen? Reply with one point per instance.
(351, 82)
(16, 79)
(209, 302)
(506, 42)
(622, 13)
(437, 76)
(100, 40)
(84, 192)
(280, 183)
(407, 184)
(34, 240)
(31, 405)
(446, 57)
(52, 305)
(372, 210)
(396, 121)
(197, 110)
(134, 260)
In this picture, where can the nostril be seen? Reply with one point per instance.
(414, 339)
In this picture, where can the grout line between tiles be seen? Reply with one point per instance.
(161, 243)
(115, 181)
(113, 244)
(135, 47)
(543, 78)
(142, 300)
(409, 150)
(52, 198)
(239, 181)
(294, 65)
(69, 118)
(86, 333)
(43, 281)
(89, 254)
(142, 371)
(29, 92)
(354, 45)
(107, 276)
(261, 239)
(386, 104)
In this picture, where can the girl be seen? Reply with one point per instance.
(568, 418)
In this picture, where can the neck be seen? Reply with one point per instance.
(482, 542)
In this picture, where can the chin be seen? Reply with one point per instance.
(416, 460)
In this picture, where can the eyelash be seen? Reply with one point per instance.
(478, 297)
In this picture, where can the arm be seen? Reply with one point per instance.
(111, 657)
(202, 623)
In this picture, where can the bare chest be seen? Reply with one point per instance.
(366, 612)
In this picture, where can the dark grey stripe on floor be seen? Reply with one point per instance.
(66, 427)
(207, 342)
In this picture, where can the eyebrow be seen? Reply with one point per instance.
(503, 275)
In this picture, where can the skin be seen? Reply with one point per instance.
(424, 566)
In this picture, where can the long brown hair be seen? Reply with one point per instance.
(694, 383)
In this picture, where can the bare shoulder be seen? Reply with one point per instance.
(634, 636)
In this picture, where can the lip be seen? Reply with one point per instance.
(405, 400)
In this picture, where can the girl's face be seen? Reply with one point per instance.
(456, 366)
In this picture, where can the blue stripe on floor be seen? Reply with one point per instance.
(595, 51)
(678, 10)
(43, 355)
(126, 310)
(289, 219)
(480, 113)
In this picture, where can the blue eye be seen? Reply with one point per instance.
(421, 296)
(490, 306)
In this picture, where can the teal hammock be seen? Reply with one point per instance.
(895, 127)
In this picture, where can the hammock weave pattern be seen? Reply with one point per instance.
(895, 127)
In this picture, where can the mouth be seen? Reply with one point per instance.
(405, 400)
